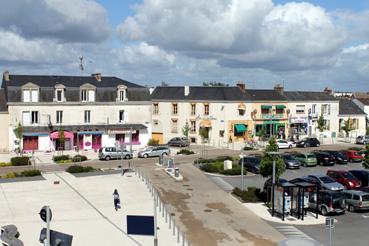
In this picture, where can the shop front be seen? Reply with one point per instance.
(64, 142)
(298, 127)
(240, 130)
(33, 141)
(271, 128)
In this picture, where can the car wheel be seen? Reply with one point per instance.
(305, 145)
(317, 145)
(165, 154)
(107, 158)
(290, 146)
(351, 208)
(145, 155)
(324, 211)
(127, 157)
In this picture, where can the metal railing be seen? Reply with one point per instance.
(162, 210)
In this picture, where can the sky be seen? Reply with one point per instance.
(303, 45)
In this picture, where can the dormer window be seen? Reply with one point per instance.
(30, 93)
(122, 93)
(59, 93)
(88, 93)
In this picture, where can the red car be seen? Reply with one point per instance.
(345, 178)
(353, 156)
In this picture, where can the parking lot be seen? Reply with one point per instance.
(350, 228)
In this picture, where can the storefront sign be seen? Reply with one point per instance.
(297, 120)
(121, 131)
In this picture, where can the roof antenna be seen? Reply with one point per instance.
(81, 67)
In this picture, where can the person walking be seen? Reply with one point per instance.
(116, 200)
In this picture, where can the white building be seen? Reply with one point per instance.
(91, 111)
(363, 103)
(351, 112)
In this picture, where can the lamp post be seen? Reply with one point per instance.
(273, 178)
(242, 167)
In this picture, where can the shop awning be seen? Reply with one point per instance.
(266, 106)
(280, 106)
(240, 128)
(242, 106)
(205, 123)
(55, 135)
(89, 132)
(32, 134)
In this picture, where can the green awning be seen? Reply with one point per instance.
(280, 106)
(266, 106)
(240, 128)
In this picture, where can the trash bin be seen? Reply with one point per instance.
(176, 172)
(227, 165)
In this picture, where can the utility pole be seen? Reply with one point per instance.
(155, 222)
(242, 171)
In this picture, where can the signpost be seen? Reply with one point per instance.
(242, 171)
(329, 224)
(46, 215)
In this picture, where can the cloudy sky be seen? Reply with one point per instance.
(305, 45)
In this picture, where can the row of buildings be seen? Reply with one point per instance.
(94, 111)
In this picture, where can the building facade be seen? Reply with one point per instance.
(363, 103)
(76, 112)
(351, 113)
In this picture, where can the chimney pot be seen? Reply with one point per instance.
(6, 75)
(241, 85)
(186, 90)
(328, 90)
(279, 88)
(97, 76)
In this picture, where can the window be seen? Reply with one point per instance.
(156, 108)
(193, 126)
(206, 109)
(122, 95)
(121, 116)
(34, 95)
(326, 124)
(59, 95)
(59, 116)
(265, 110)
(355, 123)
(26, 118)
(30, 95)
(279, 110)
(87, 95)
(174, 108)
(313, 109)
(87, 116)
(221, 133)
(326, 109)
(300, 109)
(174, 126)
(34, 117)
(136, 137)
(193, 108)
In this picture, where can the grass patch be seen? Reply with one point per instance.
(218, 167)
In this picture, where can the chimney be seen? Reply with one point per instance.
(186, 90)
(241, 85)
(279, 88)
(6, 75)
(97, 76)
(151, 90)
(328, 90)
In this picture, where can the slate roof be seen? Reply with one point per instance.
(348, 107)
(364, 101)
(198, 93)
(308, 96)
(264, 95)
(106, 89)
(3, 106)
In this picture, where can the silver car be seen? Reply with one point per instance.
(107, 153)
(154, 152)
(324, 182)
(362, 139)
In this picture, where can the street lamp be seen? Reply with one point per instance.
(242, 156)
(273, 178)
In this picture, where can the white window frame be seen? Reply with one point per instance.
(35, 117)
(26, 118)
(26, 95)
(61, 95)
(300, 109)
(123, 114)
(59, 116)
(34, 95)
(87, 116)
(88, 95)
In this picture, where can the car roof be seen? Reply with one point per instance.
(359, 170)
(356, 192)
(337, 171)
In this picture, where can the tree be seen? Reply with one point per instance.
(61, 137)
(204, 133)
(266, 164)
(321, 123)
(347, 127)
(366, 158)
(186, 130)
(18, 131)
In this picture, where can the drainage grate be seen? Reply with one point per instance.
(208, 210)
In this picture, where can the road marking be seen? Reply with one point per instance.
(221, 183)
(365, 216)
(292, 232)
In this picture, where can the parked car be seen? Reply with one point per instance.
(362, 175)
(328, 202)
(284, 144)
(290, 161)
(324, 182)
(362, 139)
(308, 142)
(353, 156)
(178, 142)
(339, 157)
(154, 152)
(251, 163)
(107, 153)
(345, 178)
(307, 159)
(356, 200)
(324, 159)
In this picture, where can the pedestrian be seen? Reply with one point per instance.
(116, 200)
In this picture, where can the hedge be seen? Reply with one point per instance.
(61, 158)
(79, 158)
(252, 194)
(19, 161)
(185, 152)
(80, 169)
(218, 167)
(30, 173)
(5, 164)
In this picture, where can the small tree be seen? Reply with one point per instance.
(204, 133)
(61, 136)
(366, 158)
(266, 164)
(186, 130)
(321, 123)
(18, 131)
(347, 127)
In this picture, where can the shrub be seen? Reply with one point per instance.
(61, 158)
(5, 164)
(248, 148)
(19, 161)
(185, 152)
(79, 169)
(236, 170)
(252, 194)
(10, 175)
(153, 142)
(224, 158)
(205, 161)
(210, 168)
(30, 173)
(79, 158)
(355, 148)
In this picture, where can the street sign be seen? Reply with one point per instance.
(56, 238)
(329, 223)
(43, 213)
(140, 225)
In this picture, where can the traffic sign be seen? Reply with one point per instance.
(43, 213)
(329, 223)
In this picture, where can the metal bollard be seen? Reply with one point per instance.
(170, 222)
(162, 210)
(177, 234)
(183, 240)
(174, 228)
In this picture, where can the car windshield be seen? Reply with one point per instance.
(326, 179)
(348, 175)
(289, 158)
(365, 198)
(336, 195)
(310, 156)
(339, 154)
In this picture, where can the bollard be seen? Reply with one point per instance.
(162, 210)
(170, 222)
(166, 215)
(177, 234)
(174, 228)
(183, 240)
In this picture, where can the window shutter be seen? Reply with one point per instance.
(91, 96)
(125, 116)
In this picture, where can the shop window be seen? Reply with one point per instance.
(265, 110)
(156, 108)
(259, 129)
(206, 109)
(135, 137)
(120, 138)
(174, 108)
(279, 110)
(193, 108)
